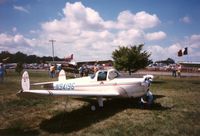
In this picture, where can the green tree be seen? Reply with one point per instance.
(130, 58)
(20, 57)
(19, 68)
(5, 56)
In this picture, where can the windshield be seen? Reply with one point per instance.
(113, 74)
(92, 76)
(101, 75)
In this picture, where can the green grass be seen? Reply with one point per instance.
(175, 112)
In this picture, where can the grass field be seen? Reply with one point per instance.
(176, 111)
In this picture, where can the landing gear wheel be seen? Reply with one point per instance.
(93, 108)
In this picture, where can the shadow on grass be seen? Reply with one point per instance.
(158, 82)
(196, 82)
(18, 132)
(67, 122)
(157, 97)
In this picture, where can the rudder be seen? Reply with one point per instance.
(25, 82)
(62, 76)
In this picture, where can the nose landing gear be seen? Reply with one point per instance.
(100, 102)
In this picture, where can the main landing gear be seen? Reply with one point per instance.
(100, 102)
(147, 100)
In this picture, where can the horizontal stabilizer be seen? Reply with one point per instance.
(61, 77)
(44, 83)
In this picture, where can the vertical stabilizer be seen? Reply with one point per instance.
(62, 76)
(25, 82)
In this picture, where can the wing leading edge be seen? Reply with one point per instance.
(70, 93)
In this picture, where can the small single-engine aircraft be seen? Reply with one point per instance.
(103, 84)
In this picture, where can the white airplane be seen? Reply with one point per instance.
(103, 84)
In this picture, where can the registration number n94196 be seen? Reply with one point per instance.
(64, 86)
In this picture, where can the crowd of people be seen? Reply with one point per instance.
(84, 70)
(54, 70)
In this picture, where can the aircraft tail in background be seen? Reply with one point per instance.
(69, 58)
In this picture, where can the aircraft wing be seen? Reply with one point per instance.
(94, 93)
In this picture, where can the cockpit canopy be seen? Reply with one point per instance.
(103, 75)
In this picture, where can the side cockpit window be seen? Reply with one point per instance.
(113, 74)
(102, 76)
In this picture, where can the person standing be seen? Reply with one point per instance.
(179, 70)
(173, 71)
(2, 72)
(52, 71)
(96, 68)
(81, 70)
(86, 70)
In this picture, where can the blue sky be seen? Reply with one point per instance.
(92, 29)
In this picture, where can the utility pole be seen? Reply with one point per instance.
(52, 41)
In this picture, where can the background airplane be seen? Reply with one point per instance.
(69, 58)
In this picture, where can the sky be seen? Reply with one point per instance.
(93, 29)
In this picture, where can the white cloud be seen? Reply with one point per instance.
(79, 16)
(156, 36)
(128, 37)
(82, 30)
(145, 20)
(34, 31)
(185, 19)
(194, 41)
(195, 38)
(20, 8)
(18, 42)
(14, 29)
(4, 39)
(127, 20)
(161, 53)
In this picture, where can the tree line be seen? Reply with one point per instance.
(20, 57)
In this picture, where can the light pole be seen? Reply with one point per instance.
(52, 41)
